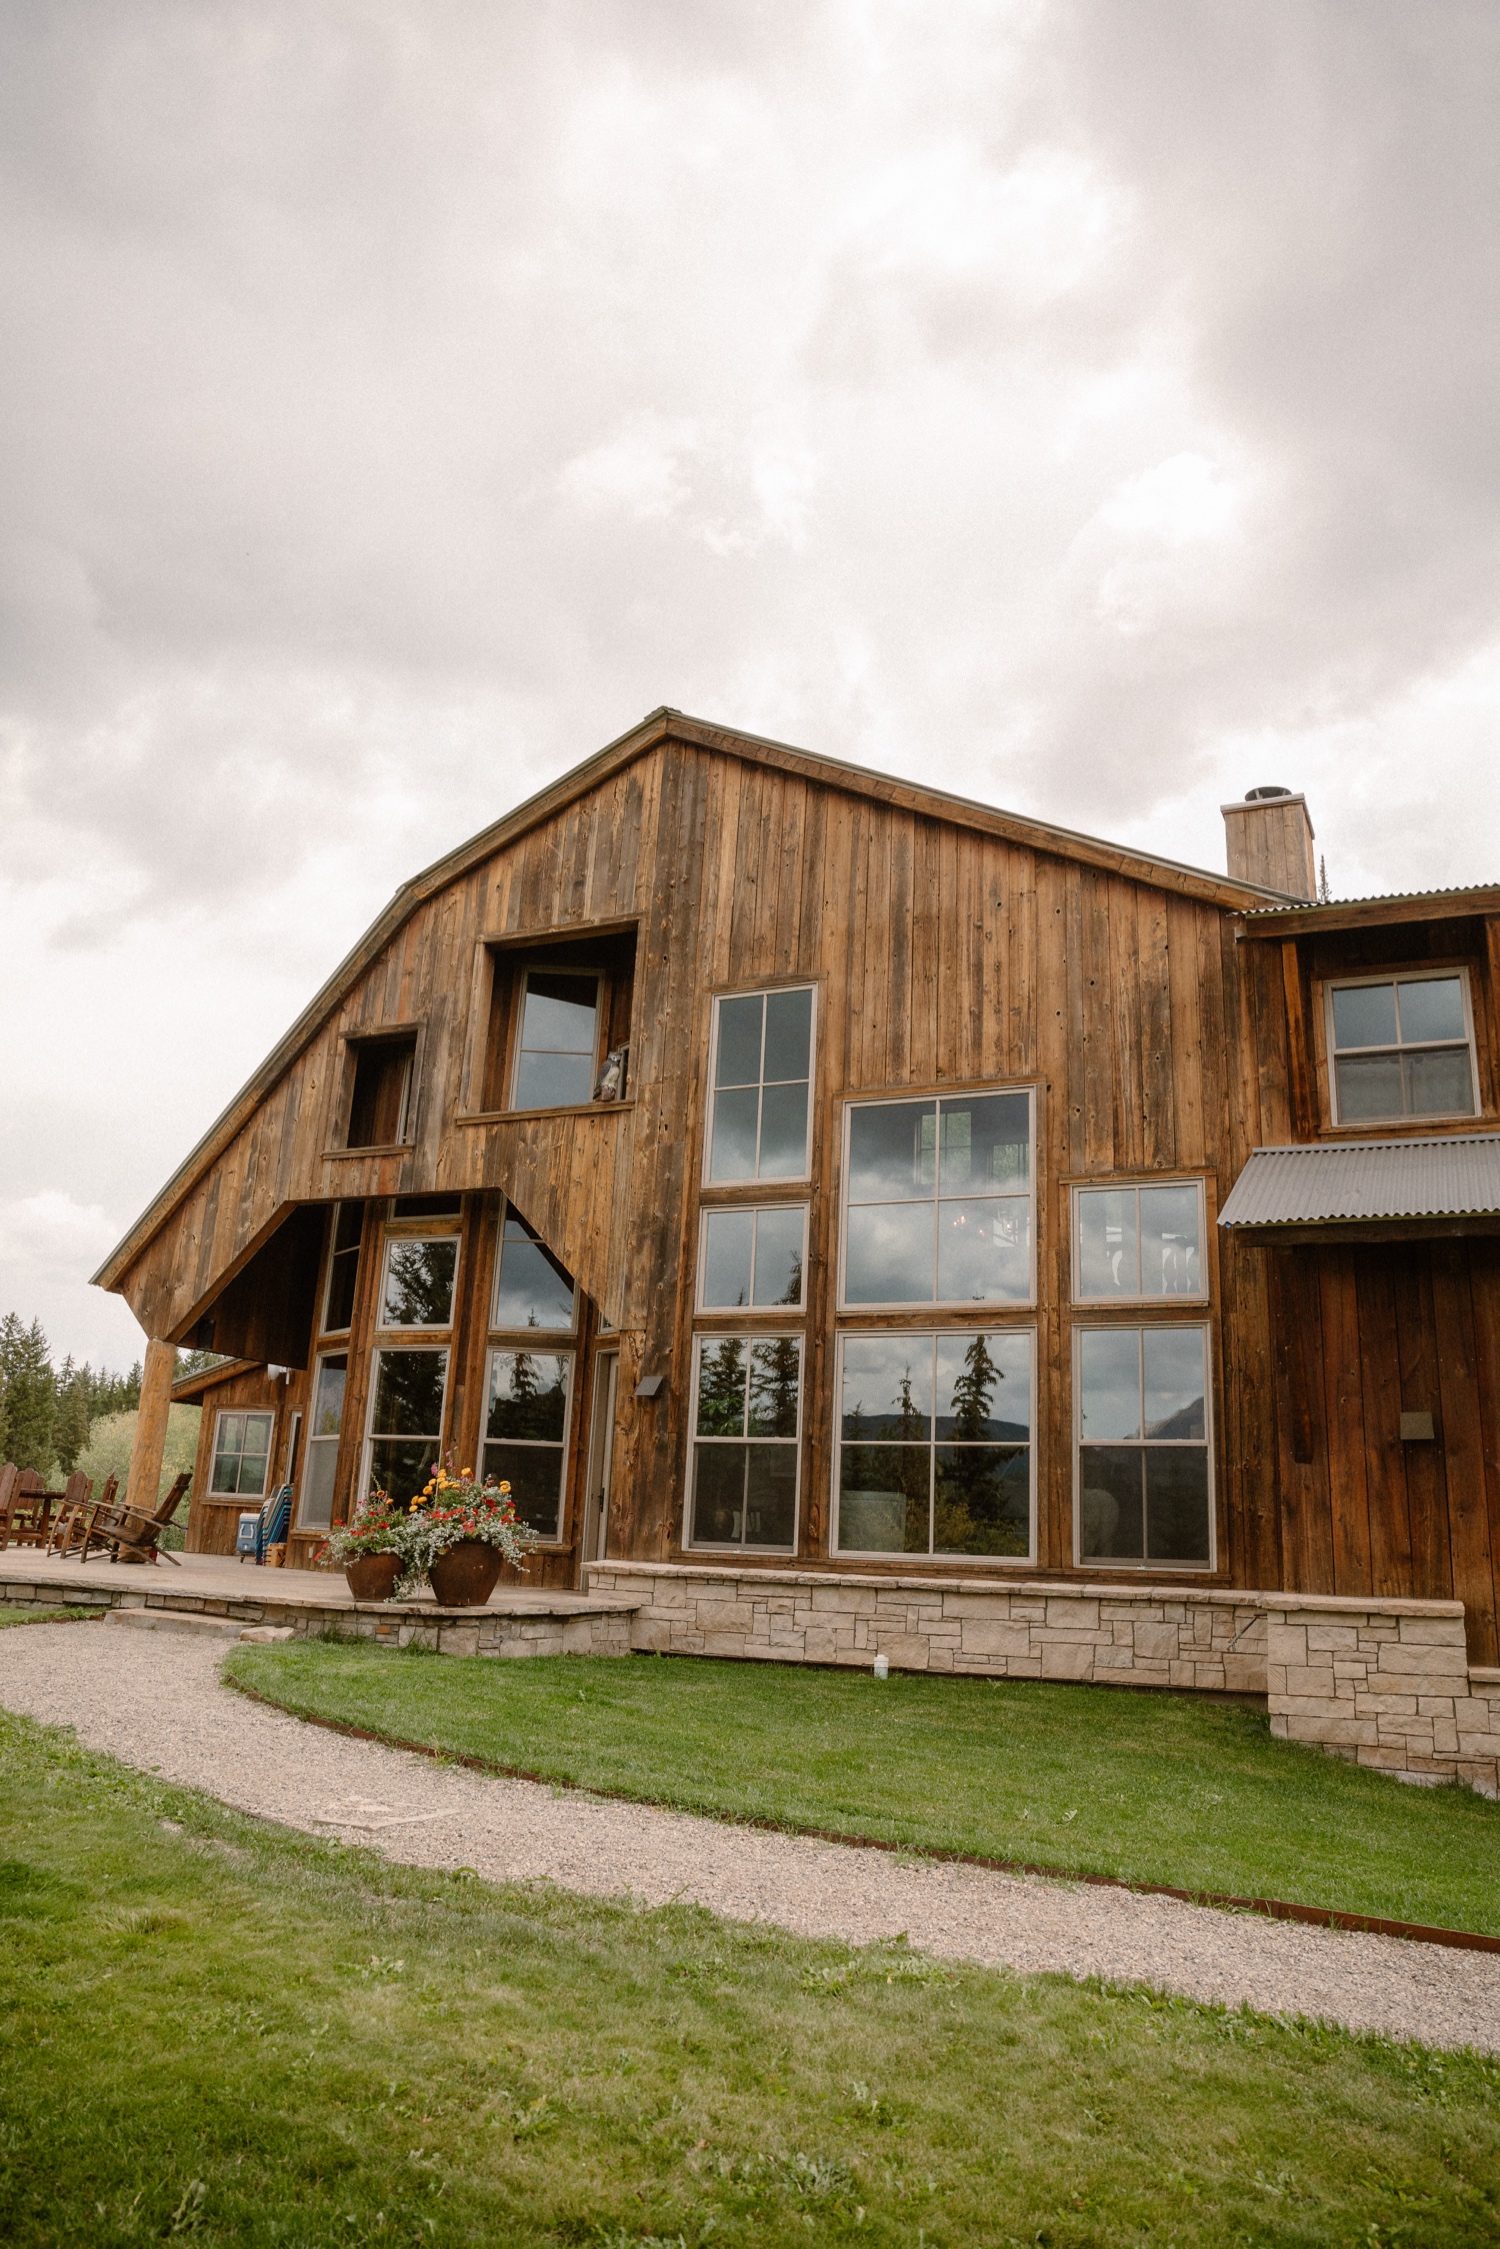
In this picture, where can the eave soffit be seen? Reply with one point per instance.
(662, 725)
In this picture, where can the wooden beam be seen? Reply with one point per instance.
(151, 1427)
(1370, 913)
(1299, 1071)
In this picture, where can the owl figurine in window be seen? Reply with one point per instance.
(610, 1085)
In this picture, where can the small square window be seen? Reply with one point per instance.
(557, 1046)
(242, 1455)
(380, 1102)
(416, 1289)
(1138, 1243)
(938, 1201)
(1401, 1046)
(752, 1258)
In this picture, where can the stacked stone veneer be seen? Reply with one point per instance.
(1384, 1682)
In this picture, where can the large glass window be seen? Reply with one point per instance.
(1401, 1048)
(935, 1444)
(1144, 1482)
(526, 1432)
(531, 1289)
(343, 1267)
(762, 1073)
(747, 1416)
(1138, 1242)
(417, 1288)
(242, 1454)
(937, 1201)
(557, 1050)
(406, 1420)
(316, 1512)
(752, 1258)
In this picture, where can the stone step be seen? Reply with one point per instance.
(177, 1620)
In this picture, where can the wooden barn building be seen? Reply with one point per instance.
(788, 1174)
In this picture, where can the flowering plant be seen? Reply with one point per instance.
(376, 1527)
(453, 1508)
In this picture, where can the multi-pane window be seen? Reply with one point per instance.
(531, 1289)
(327, 1421)
(406, 1420)
(558, 1045)
(938, 1200)
(416, 1288)
(747, 1410)
(935, 1444)
(1401, 1048)
(526, 1432)
(762, 1070)
(242, 1455)
(343, 1267)
(1144, 1483)
(1138, 1242)
(752, 1258)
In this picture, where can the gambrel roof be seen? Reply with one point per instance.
(661, 726)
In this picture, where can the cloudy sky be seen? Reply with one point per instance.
(1089, 406)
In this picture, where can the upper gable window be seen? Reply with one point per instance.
(762, 1071)
(557, 1047)
(937, 1201)
(1402, 1046)
(380, 1103)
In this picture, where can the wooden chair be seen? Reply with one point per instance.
(26, 1517)
(127, 1535)
(77, 1505)
(10, 1476)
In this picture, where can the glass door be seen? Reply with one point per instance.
(601, 1456)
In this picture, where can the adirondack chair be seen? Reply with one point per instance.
(27, 1512)
(127, 1535)
(77, 1505)
(10, 1476)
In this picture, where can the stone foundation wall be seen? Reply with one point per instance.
(1386, 1683)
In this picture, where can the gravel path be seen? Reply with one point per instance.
(153, 1700)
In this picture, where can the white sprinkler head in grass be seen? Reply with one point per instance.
(882, 1667)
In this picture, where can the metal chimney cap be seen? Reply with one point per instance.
(1258, 796)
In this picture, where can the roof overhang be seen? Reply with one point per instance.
(1370, 913)
(187, 1387)
(1367, 1191)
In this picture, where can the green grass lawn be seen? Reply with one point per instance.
(218, 2030)
(1153, 1788)
(17, 1613)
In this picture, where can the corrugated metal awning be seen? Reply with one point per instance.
(1412, 1187)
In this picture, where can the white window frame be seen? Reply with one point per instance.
(738, 1311)
(1204, 1328)
(540, 968)
(761, 1179)
(1394, 976)
(348, 1202)
(262, 1413)
(794, 1444)
(371, 1434)
(978, 1307)
(568, 1350)
(418, 1230)
(1199, 1295)
(991, 1562)
(310, 1437)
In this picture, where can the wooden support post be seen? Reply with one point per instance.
(1299, 1072)
(151, 1427)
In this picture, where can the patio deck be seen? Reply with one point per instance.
(515, 1621)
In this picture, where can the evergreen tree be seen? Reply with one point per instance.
(30, 1395)
(70, 1432)
(971, 1394)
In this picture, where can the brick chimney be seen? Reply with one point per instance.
(1269, 839)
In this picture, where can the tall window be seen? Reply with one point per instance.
(417, 1285)
(935, 1444)
(343, 1267)
(938, 1200)
(1138, 1242)
(327, 1421)
(380, 1103)
(242, 1455)
(752, 1258)
(526, 1432)
(532, 1290)
(558, 1046)
(762, 1070)
(406, 1420)
(1402, 1047)
(1144, 1481)
(747, 1413)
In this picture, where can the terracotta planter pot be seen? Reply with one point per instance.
(372, 1577)
(466, 1576)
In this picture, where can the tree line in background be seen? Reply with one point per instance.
(47, 1411)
